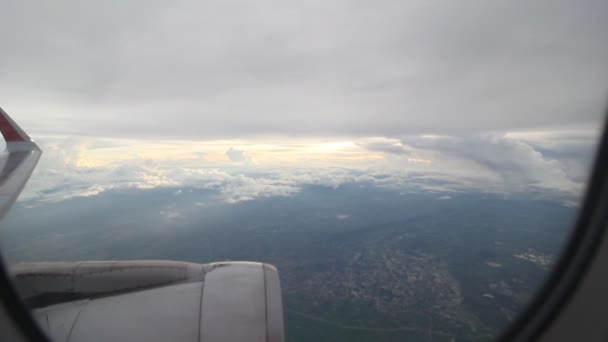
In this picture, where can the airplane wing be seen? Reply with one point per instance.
(17, 161)
(144, 300)
(153, 300)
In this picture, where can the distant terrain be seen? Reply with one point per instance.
(357, 262)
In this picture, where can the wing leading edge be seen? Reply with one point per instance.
(17, 161)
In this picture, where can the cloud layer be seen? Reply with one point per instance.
(198, 70)
(505, 164)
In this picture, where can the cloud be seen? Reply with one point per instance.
(573, 148)
(172, 214)
(201, 70)
(493, 163)
(237, 156)
(238, 187)
(446, 197)
(393, 146)
(517, 164)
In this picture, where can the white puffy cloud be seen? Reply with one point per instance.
(517, 166)
(237, 156)
(237, 187)
(497, 163)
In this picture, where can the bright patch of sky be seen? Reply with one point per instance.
(243, 170)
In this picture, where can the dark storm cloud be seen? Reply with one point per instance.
(233, 68)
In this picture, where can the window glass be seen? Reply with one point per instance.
(412, 168)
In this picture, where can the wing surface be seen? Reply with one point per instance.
(17, 161)
(138, 300)
(154, 300)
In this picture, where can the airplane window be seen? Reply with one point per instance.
(412, 169)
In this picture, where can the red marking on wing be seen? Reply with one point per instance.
(8, 131)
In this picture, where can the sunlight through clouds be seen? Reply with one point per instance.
(243, 170)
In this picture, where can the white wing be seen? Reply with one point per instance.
(17, 161)
(154, 300)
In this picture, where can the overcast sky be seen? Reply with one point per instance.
(257, 98)
(208, 69)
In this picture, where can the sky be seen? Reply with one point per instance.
(255, 99)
